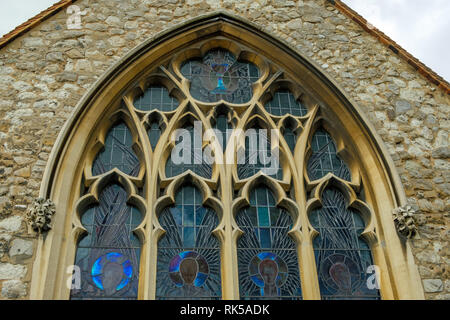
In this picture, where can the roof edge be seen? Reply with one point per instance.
(425, 71)
(420, 67)
(31, 23)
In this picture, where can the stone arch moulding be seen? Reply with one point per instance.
(63, 174)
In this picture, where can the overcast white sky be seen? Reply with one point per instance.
(422, 27)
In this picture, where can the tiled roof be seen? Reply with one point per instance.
(342, 7)
(28, 25)
(432, 76)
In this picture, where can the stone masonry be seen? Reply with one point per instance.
(46, 71)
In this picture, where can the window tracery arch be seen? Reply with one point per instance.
(193, 83)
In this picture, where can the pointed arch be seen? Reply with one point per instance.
(64, 169)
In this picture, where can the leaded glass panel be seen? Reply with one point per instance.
(156, 97)
(188, 254)
(258, 155)
(108, 256)
(220, 76)
(154, 133)
(284, 102)
(290, 137)
(196, 162)
(267, 256)
(223, 125)
(342, 256)
(117, 153)
(324, 158)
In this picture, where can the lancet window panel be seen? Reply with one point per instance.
(188, 253)
(108, 255)
(324, 158)
(342, 256)
(258, 156)
(189, 156)
(117, 153)
(267, 257)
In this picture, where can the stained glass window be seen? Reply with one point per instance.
(290, 137)
(324, 158)
(117, 153)
(108, 256)
(156, 97)
(222, 124)
(267, 256)
(342, 257)
(154, 133)
(220, 76)
(196, 163)
(283, 102)
(258, 155)
(188, 254)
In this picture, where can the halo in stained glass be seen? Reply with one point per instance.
(220, 76)
(111, 260)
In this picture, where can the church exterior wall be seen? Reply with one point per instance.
(45, 72)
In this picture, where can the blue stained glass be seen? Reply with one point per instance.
(108, 256)
(117, 153)
(98, 282)
(189, 237)
(188, 254)
(283, 102)
(267, 256)
(324, 158)
(220, 76)
(342, 257)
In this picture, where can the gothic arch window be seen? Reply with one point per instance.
(188, 253)
(108, 254)
(267, 257)
(342, 255)
(141, 225)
